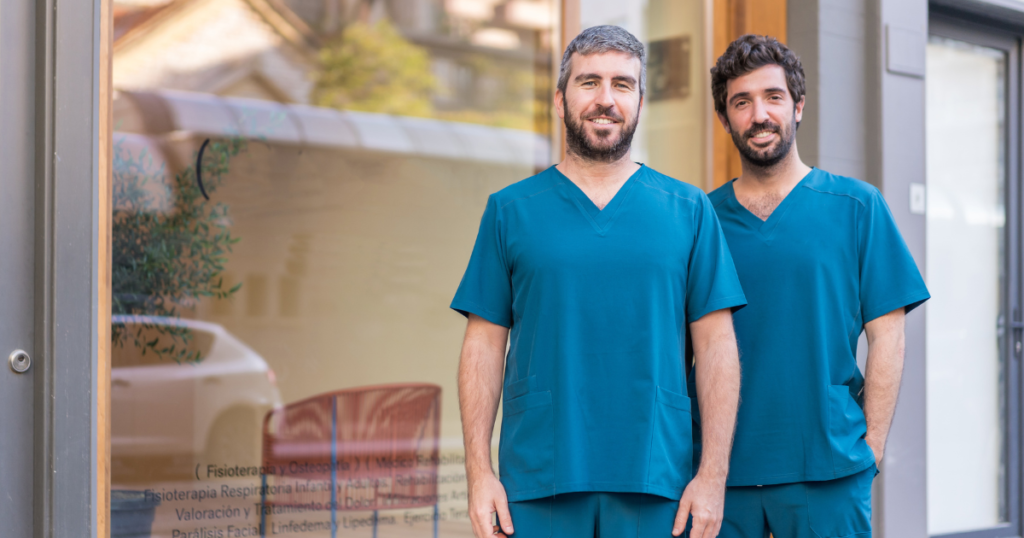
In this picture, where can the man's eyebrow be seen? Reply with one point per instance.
(586, 76)
(746, 95)
(594, 76)
(740, 95)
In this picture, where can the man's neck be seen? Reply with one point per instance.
(586, 173)
(777, 179)
(600, 181)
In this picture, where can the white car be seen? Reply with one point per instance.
(170, 418)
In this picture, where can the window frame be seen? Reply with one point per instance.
(973, 32)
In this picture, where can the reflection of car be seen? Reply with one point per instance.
(166, 416)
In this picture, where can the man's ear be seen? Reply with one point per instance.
(560, 103)
(798, 109)
(724, 120)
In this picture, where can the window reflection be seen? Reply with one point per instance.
(352, 146)
(966, 109)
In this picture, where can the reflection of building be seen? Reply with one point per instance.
(484, 55)
(323, 199)
(225, 47)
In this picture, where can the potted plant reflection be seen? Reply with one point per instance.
(183, 390)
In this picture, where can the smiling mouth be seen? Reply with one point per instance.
(602, 121)
(763, 135)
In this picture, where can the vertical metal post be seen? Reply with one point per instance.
(263, 505)
(334, 467)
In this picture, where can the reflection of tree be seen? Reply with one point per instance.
(374, 69)
(371, 67)
(168, 249)
(502, 96)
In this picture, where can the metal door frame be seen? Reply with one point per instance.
(72, 223)
(971, 31)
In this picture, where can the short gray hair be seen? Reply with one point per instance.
(598, 40)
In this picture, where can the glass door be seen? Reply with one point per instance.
(973, 319)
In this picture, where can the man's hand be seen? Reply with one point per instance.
(878, 447)
(704, 499)
(487, 496)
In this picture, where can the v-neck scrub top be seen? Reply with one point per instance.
(828, 260)
(597, 301)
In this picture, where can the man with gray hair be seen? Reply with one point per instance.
(589, 275)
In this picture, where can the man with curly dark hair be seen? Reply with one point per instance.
(821, 260)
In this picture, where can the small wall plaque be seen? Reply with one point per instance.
(668, 69)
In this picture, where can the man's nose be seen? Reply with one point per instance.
(604, 97)
(760, 112)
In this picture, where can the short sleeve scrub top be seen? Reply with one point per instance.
(828, 260)
(597, 301)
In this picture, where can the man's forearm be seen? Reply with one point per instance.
(480, 373)
(718, 392)
(882, 379)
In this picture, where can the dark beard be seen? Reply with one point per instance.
(577, 143)
(762, 159)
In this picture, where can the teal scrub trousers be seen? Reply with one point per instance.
(594, 515)
(828, 509)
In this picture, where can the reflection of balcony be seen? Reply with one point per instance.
(177, 114)
(367, 448)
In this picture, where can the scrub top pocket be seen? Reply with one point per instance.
(671, 441)
(847, 427)
(527, 444)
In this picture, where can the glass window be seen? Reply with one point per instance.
(966, 137)
(298, 186)
(672, 137)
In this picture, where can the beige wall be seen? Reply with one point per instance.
(348, 262)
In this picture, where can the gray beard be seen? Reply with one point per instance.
(577, 143)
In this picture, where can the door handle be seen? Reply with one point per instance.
(120, 383)
(1018, 333)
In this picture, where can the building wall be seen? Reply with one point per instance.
(866, 120)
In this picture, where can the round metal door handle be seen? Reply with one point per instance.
(20, 361)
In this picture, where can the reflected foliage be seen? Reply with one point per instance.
(372, 68)
(169, 246)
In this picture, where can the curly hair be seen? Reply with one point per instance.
(751, 52)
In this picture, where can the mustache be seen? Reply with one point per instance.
(763, 126)
(607, 111)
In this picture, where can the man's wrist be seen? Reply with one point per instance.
(713, 475)
(478, 470)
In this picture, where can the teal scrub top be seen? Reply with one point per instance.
(594, 394)
(828, 260)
